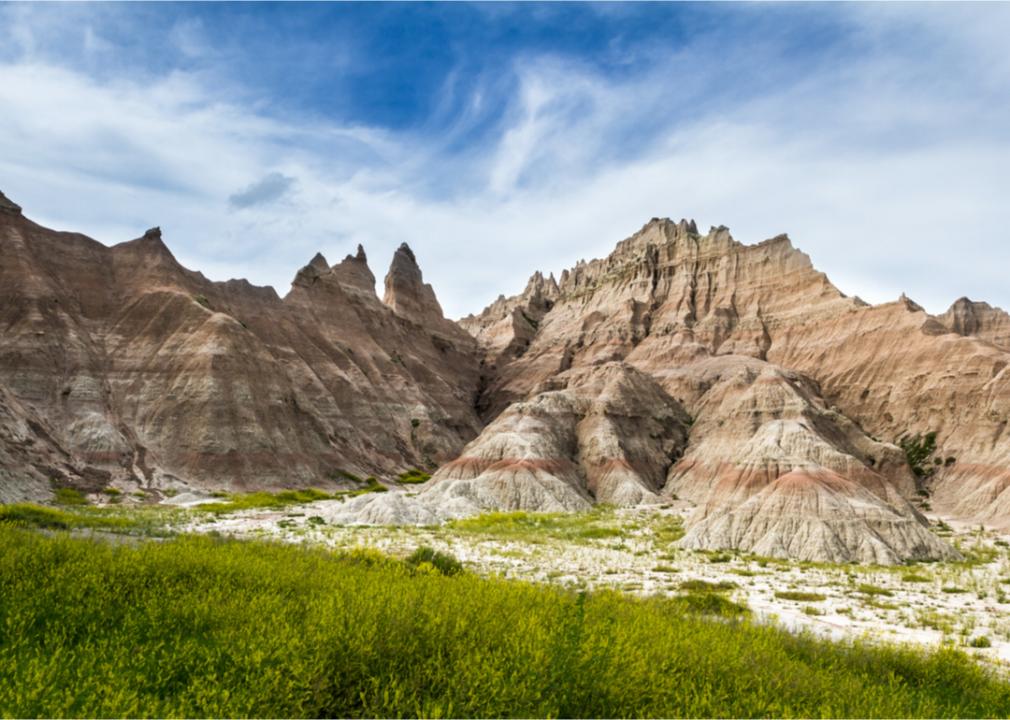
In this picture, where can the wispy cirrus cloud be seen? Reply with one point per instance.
(877, 136)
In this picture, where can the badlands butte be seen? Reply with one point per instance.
(685, 366)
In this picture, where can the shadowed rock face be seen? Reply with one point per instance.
(978, 319)
(602, 434)
(136, 367)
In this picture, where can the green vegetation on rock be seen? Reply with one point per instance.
(414, 476)
(918, 448)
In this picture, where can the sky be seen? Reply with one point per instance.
(498, 139)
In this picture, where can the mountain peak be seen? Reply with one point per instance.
(404, 257)
(406, 292)
(353, 270)
(316, 267)
(318, 262)
(909, 303)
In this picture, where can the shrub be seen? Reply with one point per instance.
(868, 589)
(371, 485)
(915, 578)
(800, 596)
(706, 586)
(708, 603)
(951, 590)
(69, 496)
(414, 476)
(444, 563)
(591, 533)
(981, 641)
(918, 449)
(315, 520)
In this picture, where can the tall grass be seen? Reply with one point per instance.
(204, 627)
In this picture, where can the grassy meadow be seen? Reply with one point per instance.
(199, 626)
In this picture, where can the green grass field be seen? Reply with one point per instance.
(205, 627)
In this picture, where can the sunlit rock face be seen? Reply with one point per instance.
(785, 378)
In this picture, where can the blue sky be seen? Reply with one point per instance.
(498, 139)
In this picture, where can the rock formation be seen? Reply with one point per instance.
(978, 319)
(735, 377)
(787, 378)
(776, 472)
(600, 434)
(508, 325)
(142, 370)
(603, 434)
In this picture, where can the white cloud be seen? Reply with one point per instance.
(888, 170)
